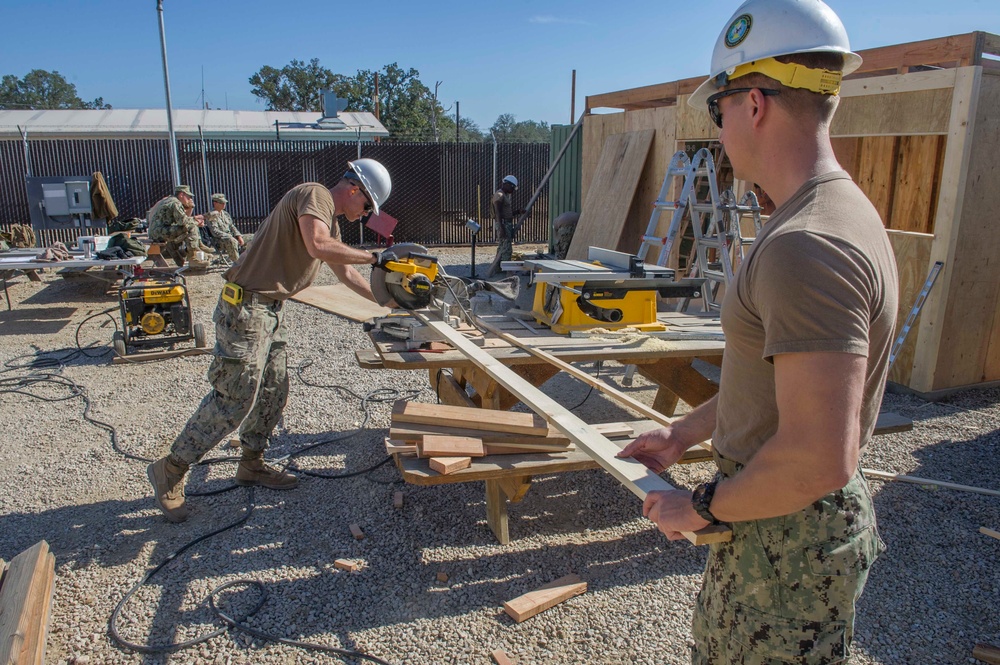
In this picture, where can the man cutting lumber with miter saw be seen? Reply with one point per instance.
(249, 373)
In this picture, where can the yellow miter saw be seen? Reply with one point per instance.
(415, 280)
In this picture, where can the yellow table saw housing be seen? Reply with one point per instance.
(614, 290)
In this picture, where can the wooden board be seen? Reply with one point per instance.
(473, 419)
(913, 254)
(526, 606)
(146, 356)
(894, 114)
(416, 434)
(436, 445)
(340, 300)
(500, 657)
(596, 130)
(609, 197)
(632, 474)
(917, 178)
(877, 172)
(662, 121)
(446, 465)
(25, 602)
(987, 653)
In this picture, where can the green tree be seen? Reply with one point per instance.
(294, 87)
(507, 128)
(469, 131)
(41, 89)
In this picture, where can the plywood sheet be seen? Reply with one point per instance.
(917, 178)
(913, 258)
(662, 121)
(609, 198)
(877, 172)
(340, 300)
(918, 112)
(969, 351)
(694, 124)
(596, 130)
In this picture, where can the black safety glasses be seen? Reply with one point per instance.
(713, 101)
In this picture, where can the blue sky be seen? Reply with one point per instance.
(511, 57)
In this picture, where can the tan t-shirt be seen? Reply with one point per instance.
(277, 263)
(821, 277)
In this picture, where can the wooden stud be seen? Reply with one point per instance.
(501, 658)
(450, 446)
(987, 653)
(446, 465)
(496, 511)
(357, 532)
(989, 532)
(347, 564)
(526, 606)
(397, 500)
(484, 419)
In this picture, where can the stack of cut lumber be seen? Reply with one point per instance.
(26, 585)
(438, 431)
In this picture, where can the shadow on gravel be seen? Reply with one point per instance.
(47, 321)
(906, 614)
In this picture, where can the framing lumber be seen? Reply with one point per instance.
(885, 475)
(634, 475)
(25, 603)
(446, 465)
(357, 532)
(416, 433)
(420, 413)
(500, 657)
(586, 378)
(437, 445)
(347, 564)
(986, 653)
(528, 605)
(989, 532)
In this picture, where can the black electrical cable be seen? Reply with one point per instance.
(43, 368)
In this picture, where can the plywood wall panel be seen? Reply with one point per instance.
(968, 351)
(596, 129)
(610, 196)
(877, 171)
(663, 122)
(913, 258)
(918, 175)
(918, 112)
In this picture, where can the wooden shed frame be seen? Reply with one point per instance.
(918, 127)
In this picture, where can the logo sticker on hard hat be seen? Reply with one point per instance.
(738, 30)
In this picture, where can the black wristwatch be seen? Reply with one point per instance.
(701, 499)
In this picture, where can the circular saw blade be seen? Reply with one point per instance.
(379, 289)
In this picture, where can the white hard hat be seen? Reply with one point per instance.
(374, 178)
(511, 179)
(763, 29)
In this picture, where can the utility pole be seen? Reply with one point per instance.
(572, 101)
(456, 122)
(175, 164)
(376, 97)
(434, 116)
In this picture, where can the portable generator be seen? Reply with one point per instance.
(154, 311)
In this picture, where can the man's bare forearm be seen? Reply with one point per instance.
(353, 279)
(332, 251)
(698, 425)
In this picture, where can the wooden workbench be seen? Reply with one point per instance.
(666, 362)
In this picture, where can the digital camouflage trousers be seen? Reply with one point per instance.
(178, 236)
(249, 377)
(784, 589)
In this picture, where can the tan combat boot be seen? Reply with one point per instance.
(167, 479)
(205, 248)
(254, 471)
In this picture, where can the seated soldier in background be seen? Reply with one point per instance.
(121, 236)
(223, 230)
(171, 223)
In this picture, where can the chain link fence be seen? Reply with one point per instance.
(436, 186)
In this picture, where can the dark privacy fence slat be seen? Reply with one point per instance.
(436, 186)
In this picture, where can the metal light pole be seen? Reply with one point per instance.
(174, 163)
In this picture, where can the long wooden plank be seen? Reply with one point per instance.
(610, 194)
(634, 475)
(340, 300)
(437, 445)
(475, 419)
(416, 434)
(577, 373)
(986, 653)
(25, 598)
(885, 475)
(528, 605)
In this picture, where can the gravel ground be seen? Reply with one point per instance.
(929, 599)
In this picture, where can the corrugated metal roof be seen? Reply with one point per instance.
(152, 123)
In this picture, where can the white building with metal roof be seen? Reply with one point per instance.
(214, 124)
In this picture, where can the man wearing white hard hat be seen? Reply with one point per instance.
(249, 373)
(809, 324)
